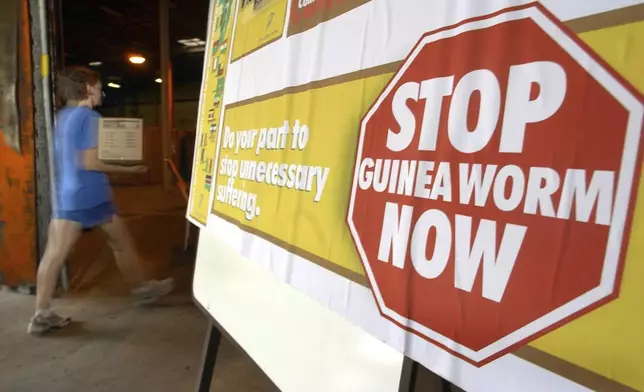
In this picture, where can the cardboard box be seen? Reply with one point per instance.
(120, 140)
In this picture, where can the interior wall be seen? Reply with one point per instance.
(146, 104)
(18, 233)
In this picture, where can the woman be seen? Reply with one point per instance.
(83, 199)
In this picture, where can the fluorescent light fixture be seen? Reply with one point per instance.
(113, 85)
(158, 80)
(137, 59)
(192, 42)
(95, 64)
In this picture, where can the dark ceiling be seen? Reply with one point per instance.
(110, 30)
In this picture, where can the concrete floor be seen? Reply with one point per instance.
(114, 345)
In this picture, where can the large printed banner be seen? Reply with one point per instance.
(283, 170)
(306, 14)
(460, 179)
(259, 23)
(490, 182)
(214, 76)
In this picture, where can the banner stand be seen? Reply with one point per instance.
(209, 358)
(298, 344)
(408, 375)
(409, 378)
(210, 350)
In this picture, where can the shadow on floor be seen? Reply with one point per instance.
(114, 345)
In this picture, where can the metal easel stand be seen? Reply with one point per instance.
(186, 236)
(209, 358)
(409, 378)
(211, 348)
(408, 375)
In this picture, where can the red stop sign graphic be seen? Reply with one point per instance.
(494, 183)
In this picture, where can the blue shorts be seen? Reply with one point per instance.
(90, 217)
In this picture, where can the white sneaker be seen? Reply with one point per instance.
(152, 290)
(40, 324)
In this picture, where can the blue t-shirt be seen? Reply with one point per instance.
(76, 188)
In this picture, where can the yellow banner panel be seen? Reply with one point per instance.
(608, 341)
(285, 169)
(212, 94)
(259, 22)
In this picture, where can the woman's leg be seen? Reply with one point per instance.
(62, 236)
(129, 263)
(122, 245)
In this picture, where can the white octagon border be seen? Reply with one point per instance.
(622, 195)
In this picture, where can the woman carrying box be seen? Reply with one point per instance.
(83, 199)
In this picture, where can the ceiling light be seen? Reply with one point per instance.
(192, 42)
(158, 80)
(113, 85)
(137, 59)
(111, 11)
(95, 64)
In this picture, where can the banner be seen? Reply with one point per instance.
(283, 170)
(487, 181)
(259, 22)
(461, 181)
(306, 14)
(210, 102)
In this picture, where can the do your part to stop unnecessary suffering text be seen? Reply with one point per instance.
(575, 193)
(292, 139)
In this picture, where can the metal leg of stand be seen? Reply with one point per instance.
(186, 236)
(446, 386)
(209, 358)
(408, 375)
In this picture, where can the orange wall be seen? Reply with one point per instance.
(17, 181)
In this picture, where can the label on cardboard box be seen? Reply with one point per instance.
(120, 140)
